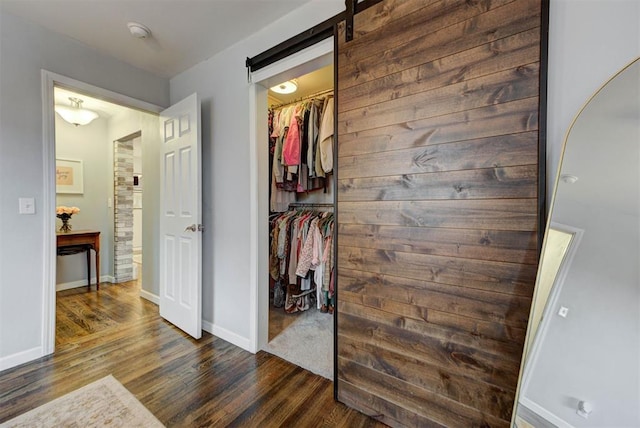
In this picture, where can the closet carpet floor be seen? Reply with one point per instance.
(306, 340)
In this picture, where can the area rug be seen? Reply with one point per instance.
(308, 343)
(103, 403)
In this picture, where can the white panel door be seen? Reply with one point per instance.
(180, 217)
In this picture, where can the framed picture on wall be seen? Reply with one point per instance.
(69, 176)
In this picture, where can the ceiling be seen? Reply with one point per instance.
(308, 84)
(184, 32)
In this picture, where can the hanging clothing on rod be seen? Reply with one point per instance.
(301, 146)
(301, 260)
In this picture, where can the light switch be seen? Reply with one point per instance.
(109, 203)
(26, 206)
(563, 311)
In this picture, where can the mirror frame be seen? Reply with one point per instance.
(528, 346)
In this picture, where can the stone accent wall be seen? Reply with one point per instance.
(123, 203)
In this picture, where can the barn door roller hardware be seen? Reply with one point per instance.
(351, 11)
(309, 37)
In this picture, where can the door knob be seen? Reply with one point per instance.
(192, 228)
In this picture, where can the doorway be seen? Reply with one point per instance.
(561, 244)
(301, 217)
(127, 222)
(102, 193)
(146, 120)
(87, 151)
(304, 63)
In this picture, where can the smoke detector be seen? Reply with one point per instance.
(138, 30)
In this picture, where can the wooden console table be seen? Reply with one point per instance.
(78, 242)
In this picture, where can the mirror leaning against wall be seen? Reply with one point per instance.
(582, 361)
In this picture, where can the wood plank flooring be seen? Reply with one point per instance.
(183, 382)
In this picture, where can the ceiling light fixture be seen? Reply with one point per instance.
(76, 115)
(138, 30)
(288, 87)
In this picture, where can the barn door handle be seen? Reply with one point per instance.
(192, 228)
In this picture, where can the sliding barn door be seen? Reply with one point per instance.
(437, 208)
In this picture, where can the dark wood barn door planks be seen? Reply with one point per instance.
(437, 193)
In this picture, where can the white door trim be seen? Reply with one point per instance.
(305, 61)
(48, 81)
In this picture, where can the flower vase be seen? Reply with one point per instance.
(66, 227)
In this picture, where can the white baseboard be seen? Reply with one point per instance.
(20, 358)
(207, 326)
(83, 282)
(153, 298)
(544, 413)
(227, 335)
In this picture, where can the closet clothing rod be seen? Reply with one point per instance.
(309, 205)
(307, 97)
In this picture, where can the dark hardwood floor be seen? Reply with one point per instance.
(183, 382)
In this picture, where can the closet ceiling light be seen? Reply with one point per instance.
(76, 115)
(288, 87)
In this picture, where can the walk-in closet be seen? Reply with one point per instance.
(301, 220)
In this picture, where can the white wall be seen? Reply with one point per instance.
(25, 49)
(137, 222)
(88, 143)
(589, 41)
(221, 83)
